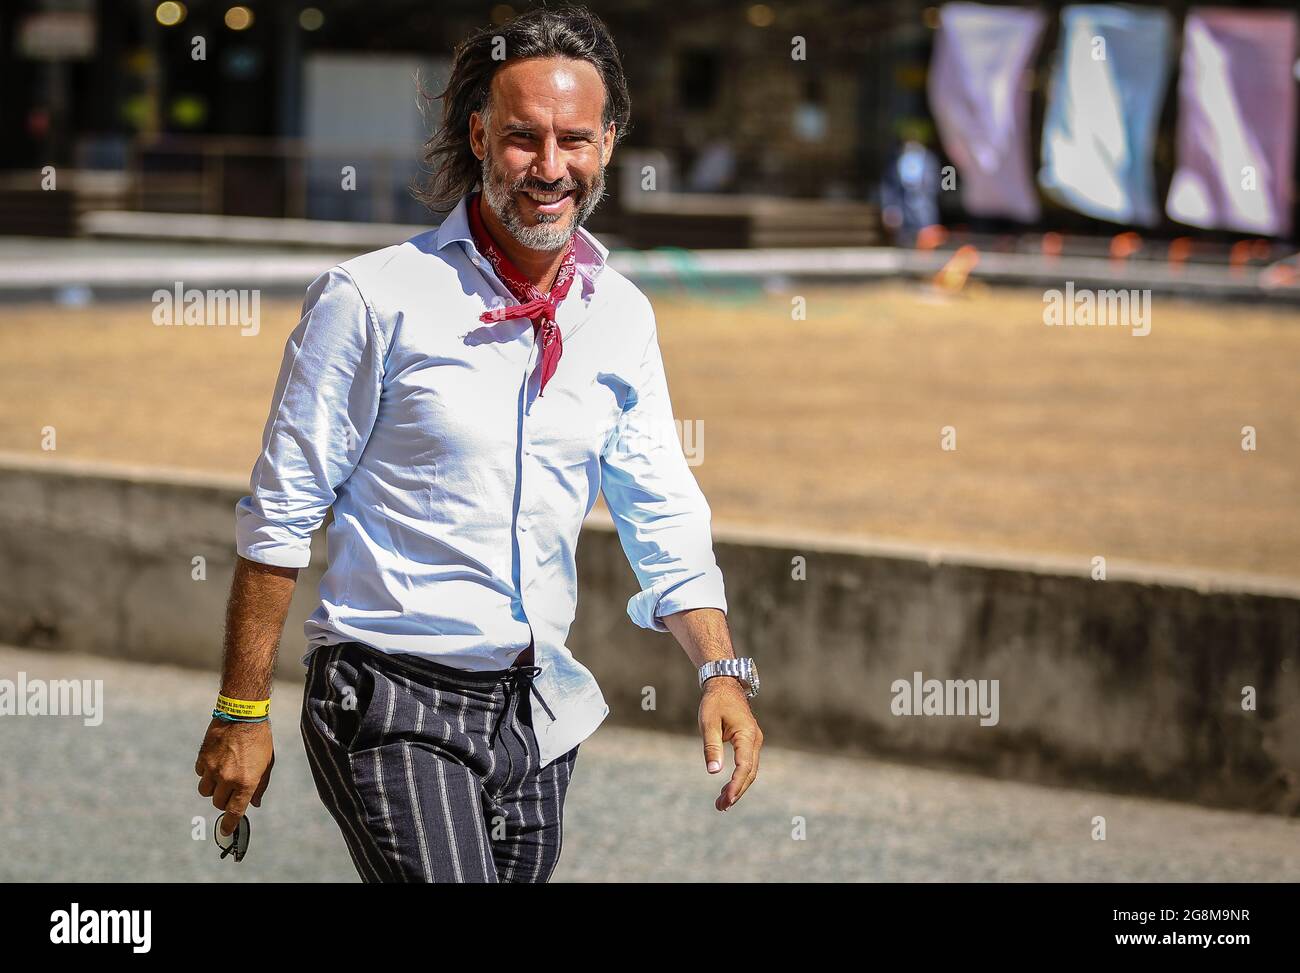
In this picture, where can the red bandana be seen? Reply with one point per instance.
(534, 305)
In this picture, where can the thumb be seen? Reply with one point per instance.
(713, 752)
(261, 788)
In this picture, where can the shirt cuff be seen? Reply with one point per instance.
(260, 540)
(701, 591)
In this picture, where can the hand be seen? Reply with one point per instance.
(234, 767)
(725, 715)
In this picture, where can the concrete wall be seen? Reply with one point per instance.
(1131, 684)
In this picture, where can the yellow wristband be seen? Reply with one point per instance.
(243, 708)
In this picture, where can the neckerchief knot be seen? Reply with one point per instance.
(538, 307)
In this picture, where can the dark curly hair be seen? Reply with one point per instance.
(451, 167)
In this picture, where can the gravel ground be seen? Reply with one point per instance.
(117, 802)
(1070, 441)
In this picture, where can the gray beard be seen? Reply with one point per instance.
(546, 236)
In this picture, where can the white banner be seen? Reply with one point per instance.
(1237, 122)
(1103, 109)
(981, 105)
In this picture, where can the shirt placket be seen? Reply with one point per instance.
(528, 460)
(522, 519)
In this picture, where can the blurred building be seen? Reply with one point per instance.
(253, 109)
(170, 88)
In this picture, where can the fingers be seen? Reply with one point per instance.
(225, 790)
(232, 798)
(745, 746)
(235, 808)
(234, 768)
(725, 718)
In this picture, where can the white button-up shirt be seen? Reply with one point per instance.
(458, 493)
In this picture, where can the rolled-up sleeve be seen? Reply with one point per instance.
(323, 410)
(662, 518)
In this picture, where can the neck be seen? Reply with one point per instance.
(539, 266)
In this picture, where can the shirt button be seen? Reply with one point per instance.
(523, 530)
(477, 262)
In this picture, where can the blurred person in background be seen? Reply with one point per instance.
(909, 190)
(714, 167)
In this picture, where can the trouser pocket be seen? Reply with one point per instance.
(341, 688)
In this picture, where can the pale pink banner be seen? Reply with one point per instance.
(981, 105)
(1236, 121)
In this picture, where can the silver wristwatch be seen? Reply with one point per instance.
(743, 669)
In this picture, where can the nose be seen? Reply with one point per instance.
(548, 164)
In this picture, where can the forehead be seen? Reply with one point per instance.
(538, 88)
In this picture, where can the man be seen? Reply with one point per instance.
(910, 190)
(459, 399)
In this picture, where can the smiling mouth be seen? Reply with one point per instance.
(548, 202)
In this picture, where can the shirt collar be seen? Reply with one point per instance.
(591, 254)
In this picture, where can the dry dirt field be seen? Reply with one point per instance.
(1070, 441)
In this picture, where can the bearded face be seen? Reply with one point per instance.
(539, 215)
(543, 150)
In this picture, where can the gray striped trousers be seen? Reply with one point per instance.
(432, 773)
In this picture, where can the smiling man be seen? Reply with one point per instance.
(459, 400)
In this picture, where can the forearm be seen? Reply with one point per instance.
(259, 603)
(702, 634)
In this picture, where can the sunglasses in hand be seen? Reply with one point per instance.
(235, 843)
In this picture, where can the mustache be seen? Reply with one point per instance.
(576, 187)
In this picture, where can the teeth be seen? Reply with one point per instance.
(546, 197)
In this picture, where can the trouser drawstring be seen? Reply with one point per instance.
(514, 678)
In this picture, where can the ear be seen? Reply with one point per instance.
(477, 136)
(607, 144)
